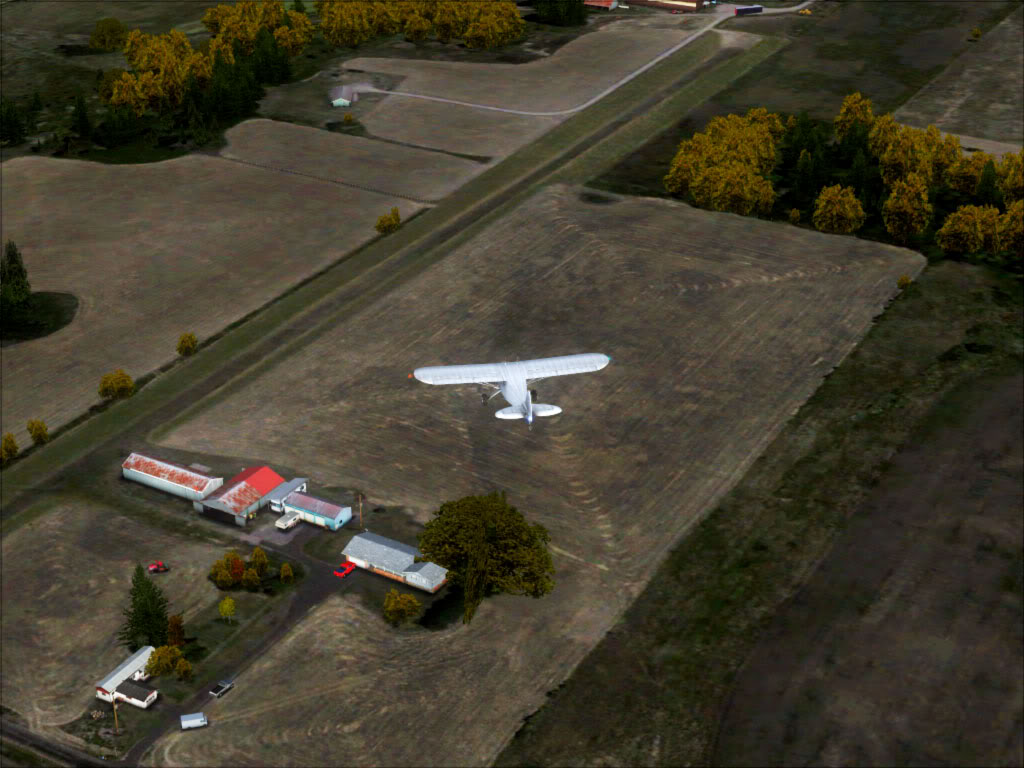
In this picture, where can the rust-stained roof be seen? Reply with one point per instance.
(169, 471)
(246, 488)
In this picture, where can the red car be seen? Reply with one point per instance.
(344, 570)
(158, 567)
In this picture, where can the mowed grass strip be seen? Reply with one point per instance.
(462, 207)
(654, 689)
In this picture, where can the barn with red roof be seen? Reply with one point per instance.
(246, 493)
(170, 477)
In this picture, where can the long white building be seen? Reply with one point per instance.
(170, 477)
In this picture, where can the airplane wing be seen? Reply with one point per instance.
(460, 374)
(563, 366)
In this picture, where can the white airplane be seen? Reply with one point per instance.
(513, 380)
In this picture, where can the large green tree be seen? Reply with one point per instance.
(12, 124)
(145, 618)
(562, 13)
(488, 548)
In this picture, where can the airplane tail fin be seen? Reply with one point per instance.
(543, 409)
(509, 413)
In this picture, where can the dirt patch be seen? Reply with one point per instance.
(154, 251)
(904, 648)
(979, 94)
(751, 324)
(71, 569)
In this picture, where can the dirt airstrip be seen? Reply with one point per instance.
(750, 316)
(66, 578)
(978, 94)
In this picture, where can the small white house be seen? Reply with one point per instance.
(132, 668)
(343, 96)
(395, 560)
(136, 694)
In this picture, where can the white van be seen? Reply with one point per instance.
(198, 720)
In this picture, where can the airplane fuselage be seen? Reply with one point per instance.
(516, 393)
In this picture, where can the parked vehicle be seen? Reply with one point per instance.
(198, 720)
(746, 10)
(344, 570)
(158, 567)
(288, 521)
(221, 688)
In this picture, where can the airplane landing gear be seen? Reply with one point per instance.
(483, 398)
(533, 395)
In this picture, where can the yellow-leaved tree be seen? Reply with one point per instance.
(969, 229)
(944, 151)
(733, 187)
(1011, 229)
(965, 173)
(907, 153)
(884, 129)
(838, 210)
(161, 67)
(907, 211)
(344, 24)
(1010, 176)
(855, 109)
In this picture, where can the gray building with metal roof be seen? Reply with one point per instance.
(395, 560)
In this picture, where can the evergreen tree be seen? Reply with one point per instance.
(12, 127)
(80, 121)
(146, 618)
(860, 176)
(561, 13)
(298, 6)
(805, 178)
(987, 192)
(14, 285)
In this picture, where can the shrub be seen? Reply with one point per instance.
(37, 429)
(287, 577)
(400, 608)
(116, 385)
(794, 215)
(8, 448)
(389, 222)
(348, 119)
(183, 669)
(187, 344)
(251, 579)
(903, 281)
(976, 33)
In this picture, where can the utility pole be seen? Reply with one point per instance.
(113, 701)
(360, 510)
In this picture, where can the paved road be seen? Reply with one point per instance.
(722, 13)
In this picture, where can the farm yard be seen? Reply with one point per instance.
(979, 94)
(753, 316)
(154, 251)
(66, 577)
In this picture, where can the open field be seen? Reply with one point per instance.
(66, 577)
(904, 647)
(655, 688)
(414, 173)
(980, 93)
(690, 407)
(887, 51)
(159, 250)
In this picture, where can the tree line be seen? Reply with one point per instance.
(910, 186)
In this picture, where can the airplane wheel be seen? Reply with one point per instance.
(533, 395)
(483, 399)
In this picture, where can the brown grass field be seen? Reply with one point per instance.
(979, 94)
(153, 251)
(66, 577)
(387, 167)
(749, 316)
(582, 68)
(904, 647)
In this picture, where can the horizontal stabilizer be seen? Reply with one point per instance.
(509, 413)
(543, 409)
